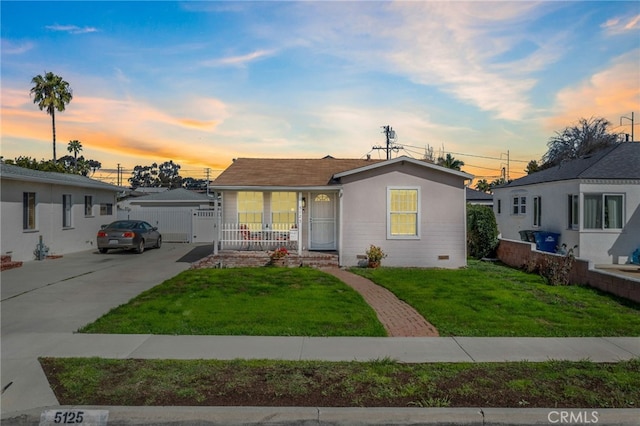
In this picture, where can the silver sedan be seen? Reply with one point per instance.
(128, 235)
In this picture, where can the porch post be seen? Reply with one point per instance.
(300, 223)
(216, 222)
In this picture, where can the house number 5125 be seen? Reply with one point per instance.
(74, 417)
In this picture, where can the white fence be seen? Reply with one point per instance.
(235, 236)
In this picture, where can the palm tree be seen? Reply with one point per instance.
(450, 162)
(483, 185)
(51, 93)
(75, 146)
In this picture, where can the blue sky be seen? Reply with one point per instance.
(204, 82)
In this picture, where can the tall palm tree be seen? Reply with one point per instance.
(450, 162)
(75, 146)
(51, 93)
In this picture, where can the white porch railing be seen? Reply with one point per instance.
(236, 236)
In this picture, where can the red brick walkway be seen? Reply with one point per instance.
(397, 317)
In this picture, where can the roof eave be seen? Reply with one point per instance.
(459, 173)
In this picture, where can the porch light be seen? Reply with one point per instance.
(304, 202)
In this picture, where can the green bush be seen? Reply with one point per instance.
(482, 231)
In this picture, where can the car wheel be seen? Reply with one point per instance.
(159, 242)
(103, 250)
(140, 248)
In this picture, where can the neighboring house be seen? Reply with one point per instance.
(479, 197)
(65, 210)
(591, 202)
(181, 215)
(414, 210)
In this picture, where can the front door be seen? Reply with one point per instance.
(322, 221)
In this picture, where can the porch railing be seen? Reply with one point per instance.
(238, 236)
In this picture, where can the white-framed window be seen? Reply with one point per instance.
(250, 209)
(67, 217)
(519, 205)
(603, 211)
(284, 206)
(537, 211)
(106, 209)
(29, 211)
(573, 210)
(403, 213)
(88, 205)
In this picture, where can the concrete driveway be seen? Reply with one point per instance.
(43, 298)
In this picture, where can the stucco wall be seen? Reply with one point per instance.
(80, 236)
(442, 239)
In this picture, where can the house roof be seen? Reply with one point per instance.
(287, 172)
(291, 172)
(175, 195)
(619, 161)
(11, 172)
(474, 195)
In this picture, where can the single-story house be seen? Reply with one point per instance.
(63, 211)
(414, 210)
(180, 214)
(591, 202)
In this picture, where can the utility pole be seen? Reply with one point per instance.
(630, 119)
(208, 170)
(390, 135)
(119, 182)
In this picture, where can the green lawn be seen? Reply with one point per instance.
(384, 383)
(245, 301)
(489, 299)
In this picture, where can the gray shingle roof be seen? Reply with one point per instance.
(9, 171)
(621, 161)
(179, 194)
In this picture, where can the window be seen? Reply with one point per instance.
(402, 213)
(106, 209)
(88, 205)
(519, 205)
(573, 208)
(499, 206)
(283, 208)
(603, 211)
(250, 208)
(537, 211)
(28, 210)
(66, 211)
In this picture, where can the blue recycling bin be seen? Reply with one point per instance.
(547, 241)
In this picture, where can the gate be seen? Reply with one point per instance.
(176, 226)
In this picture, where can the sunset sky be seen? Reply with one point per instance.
(201, 83)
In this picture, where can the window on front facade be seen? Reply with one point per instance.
(573, 207)
(603, 211)
(106, 209)
(250, 209)
(283, 208)
(66, 210)
(499, 206)
(537, 211)
(88, 205)
(519, 205)
(402, 213)
(29, 210)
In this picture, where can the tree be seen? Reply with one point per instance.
(483, 185)
(166, 175)
(75, 146)
(585, 138)
(450, 162)
(532, 167)
(51, 93)
(482, 231)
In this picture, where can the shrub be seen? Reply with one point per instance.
(482, 231)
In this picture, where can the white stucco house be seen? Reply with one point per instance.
(65, 210)
(591, 202)
(414, 210)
